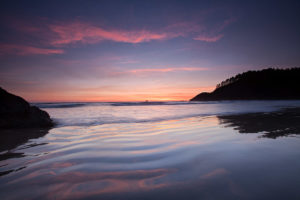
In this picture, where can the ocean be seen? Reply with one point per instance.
(91, 114)
(158, 150)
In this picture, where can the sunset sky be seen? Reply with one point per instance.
(140, 50)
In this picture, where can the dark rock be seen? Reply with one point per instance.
(15, 112)
(267, 84)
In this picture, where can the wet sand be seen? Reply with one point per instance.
(190, 158)
(12, 138)
(271, 124)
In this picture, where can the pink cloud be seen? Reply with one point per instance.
(65, 33)
(214, 173)
(85, 33)
(214, 34)
(81, 32)
(129, 62)
(26, 50)
(225, 24)
(208, 38)
(167, 69)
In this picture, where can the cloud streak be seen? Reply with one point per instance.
(170, 69)
(80, 32)
(215, 34)
(26, 50)
(86, 33)
(208, 38)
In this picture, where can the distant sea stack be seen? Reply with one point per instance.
(267, 84)
(15, 112)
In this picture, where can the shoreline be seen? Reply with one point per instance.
(273, 124)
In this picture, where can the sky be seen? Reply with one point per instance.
(64, 51)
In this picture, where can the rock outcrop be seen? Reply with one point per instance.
(15, 112)
(267, 84)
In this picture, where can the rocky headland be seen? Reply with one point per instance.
(267, 84)
(15, 112)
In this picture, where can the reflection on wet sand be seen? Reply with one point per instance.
(11, 138)
(271, 125)
(103, 183)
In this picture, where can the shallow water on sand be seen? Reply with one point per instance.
(198, 157)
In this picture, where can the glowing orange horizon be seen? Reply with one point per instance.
(94, 96)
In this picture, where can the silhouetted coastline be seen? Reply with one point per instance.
(267, 84)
